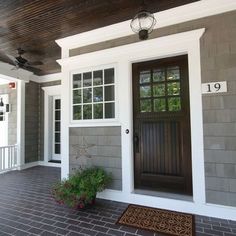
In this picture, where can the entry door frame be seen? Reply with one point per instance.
(49, 93)
(182, 182)
(164, 46)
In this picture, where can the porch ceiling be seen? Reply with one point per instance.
(35, 25)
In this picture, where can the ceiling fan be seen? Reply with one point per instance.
(20, 62)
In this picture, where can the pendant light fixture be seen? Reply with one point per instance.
(143, 22)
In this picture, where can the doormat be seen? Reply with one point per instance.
(159, 221)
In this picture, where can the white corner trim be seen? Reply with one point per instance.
(165, 18)
(128, 49)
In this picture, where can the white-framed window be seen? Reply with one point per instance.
(93, 94)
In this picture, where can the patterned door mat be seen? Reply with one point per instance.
(159, 221)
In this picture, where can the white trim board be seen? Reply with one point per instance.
(46, 78)
(49, 78)
(165, 18)
(124, 56)
(211, 210)
(48, 92)
(37, 163)
(128, 51)
(14, 75)
(3, 81)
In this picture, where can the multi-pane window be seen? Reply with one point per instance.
(160, 90)
(2, 116)
(93, 95)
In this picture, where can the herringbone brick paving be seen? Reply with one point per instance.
(27, 208)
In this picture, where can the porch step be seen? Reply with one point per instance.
(54, 161)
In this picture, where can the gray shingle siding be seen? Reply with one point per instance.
(103, 149)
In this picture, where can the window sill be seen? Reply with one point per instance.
(95, 123)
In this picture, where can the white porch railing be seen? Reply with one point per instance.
(8, 158)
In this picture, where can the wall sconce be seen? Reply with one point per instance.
(1, 103)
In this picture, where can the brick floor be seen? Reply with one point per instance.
(26, 208)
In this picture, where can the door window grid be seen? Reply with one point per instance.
(160, 90)
(57, 122)
(93, 94)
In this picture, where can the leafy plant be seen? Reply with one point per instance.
(81, 188)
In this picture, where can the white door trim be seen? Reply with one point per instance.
(168, 46)
(48, 92)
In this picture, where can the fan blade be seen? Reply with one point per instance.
(7, 58)
(35, 63)
(32, 69)
(12, 58)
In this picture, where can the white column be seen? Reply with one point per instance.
(65, 118)
(198, 171)
(125, 116)
(20, 123)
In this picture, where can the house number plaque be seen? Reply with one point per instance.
(215, 87)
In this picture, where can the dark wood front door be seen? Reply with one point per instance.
(162, 145)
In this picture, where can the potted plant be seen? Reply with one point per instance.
(81, 188)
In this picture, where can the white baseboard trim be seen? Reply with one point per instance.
(210, 210)
(38, 163)
(28, 165)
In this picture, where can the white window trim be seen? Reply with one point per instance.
(94, 122)
(48, 92)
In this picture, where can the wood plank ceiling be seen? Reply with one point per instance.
(34, 25)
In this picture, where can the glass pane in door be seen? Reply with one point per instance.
(56, 128)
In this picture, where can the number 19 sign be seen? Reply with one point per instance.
(215, 87)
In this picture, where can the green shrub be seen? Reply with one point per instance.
(81, 188)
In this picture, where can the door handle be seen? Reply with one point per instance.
(136, 143)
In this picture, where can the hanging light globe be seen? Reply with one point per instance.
(143, 24)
